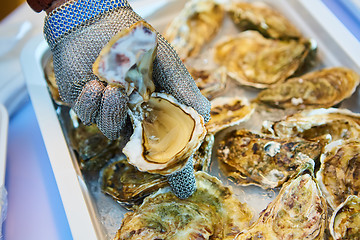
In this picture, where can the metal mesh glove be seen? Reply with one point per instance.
(76, 32)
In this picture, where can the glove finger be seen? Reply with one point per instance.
(183, 183)
(171, 75)
(113, 112)
(88, 102)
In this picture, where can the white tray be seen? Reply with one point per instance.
(4, 124)
(337, 47)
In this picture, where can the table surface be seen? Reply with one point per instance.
(35, 209)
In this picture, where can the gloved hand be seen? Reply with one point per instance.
(76, 32)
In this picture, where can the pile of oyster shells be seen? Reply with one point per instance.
(276, 124)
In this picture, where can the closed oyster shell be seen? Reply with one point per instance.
(298, 212)
(264, 160)
(253, 60)
(263, 18)
(339, 171)
(127, 185)
(196, 24)
(51, 82)
(93, 149)
(202, 156)
(316, 124)
(211, 212)
(210, 83)
(228, 111)
(345, 221)
(319, 89)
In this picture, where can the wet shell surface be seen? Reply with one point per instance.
(228, 111)
(196, 24)
(210, 83)
(202, 156)
(165, 132)
(339, 171)
(263, 18)
(298, 212)
(345, 221)
(331, 123)
(253, 60)
(318, 89)
(127, 185)
(211, 212)
(264, 160)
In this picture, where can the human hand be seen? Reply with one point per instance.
(76, 32)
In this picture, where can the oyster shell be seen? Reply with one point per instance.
(210, 83)
(93, 149)
(263, 18)
(196, 24)
(345, 221)
(263, 160)
(253, 60)
(51, 82)
(339, 171)
(127, 185)
(211, 212)
(298, 212)
(319, 89)
(202, 157)
(317, 124)
(228, 111)
(166, 132)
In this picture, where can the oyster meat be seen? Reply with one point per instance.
(264, 160)
(166, 132)
(127, 185)
(345, 221)
(210, 83)
(211, 212)
(263, 18)
(317, 124)
(197, 23)
(318, 89)
(228, 111)
(339, 171)
(298, 212)
(259, 62)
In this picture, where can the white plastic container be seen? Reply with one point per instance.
(337, 47)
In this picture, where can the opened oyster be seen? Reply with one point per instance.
(261, 17)
(267, 161)
(228, 111)
(197, 24)
(331, 124)
(319, 89)
(345, 221)
(339, 171)
(127, 185)
(259, 62)
(211, 212)
(298, 212)
(210, 83)
(166, 132)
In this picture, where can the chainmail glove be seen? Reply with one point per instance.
(76, 32)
